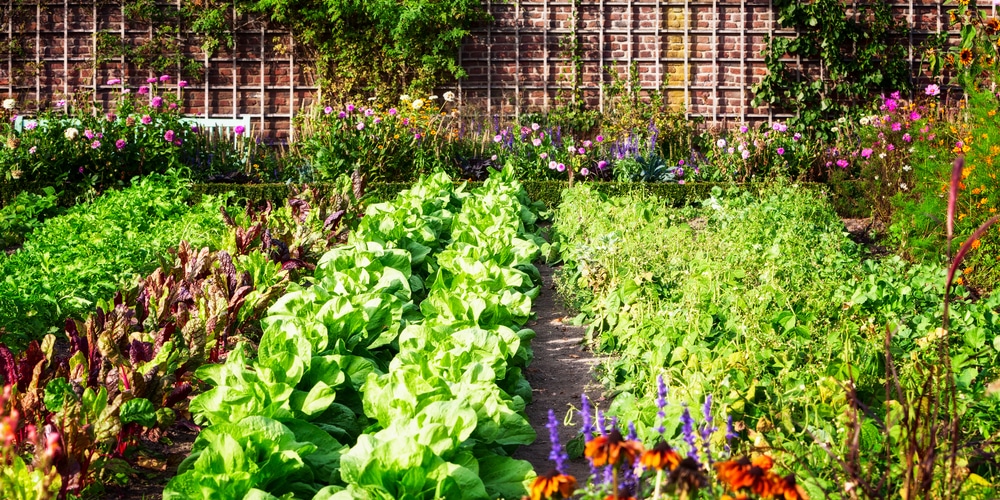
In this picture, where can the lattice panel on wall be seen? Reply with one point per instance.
(260, 76)
(703, 54)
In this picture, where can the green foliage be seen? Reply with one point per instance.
(95, 249)
(858, 52)
(25, 214)
(974, 60)
(702, 297)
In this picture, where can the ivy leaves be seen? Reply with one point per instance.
(857, 54)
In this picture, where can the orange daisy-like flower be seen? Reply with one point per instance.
(787, 489)
(547, 485)
(661, 457)
(965, 57)
(993, 25)
(612, 448)
(754, 475)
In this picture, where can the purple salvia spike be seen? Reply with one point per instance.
(585, 414)
(601, 428)
(632, 434)
(557, 454)
(689, 436)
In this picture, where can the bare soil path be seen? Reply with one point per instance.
(561, 371)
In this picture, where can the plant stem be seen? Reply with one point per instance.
(659, 481)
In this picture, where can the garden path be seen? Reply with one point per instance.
(561, 371)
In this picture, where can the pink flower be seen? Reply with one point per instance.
(165, 78)
(890, 147)
(497, 138)
(743, 129)
(392, 111)
(599, 138)
(932, 90)
(172, 105)
(168, 136)
(151, 79)
(866, 152)
(156, 102)
(114, 81)
(143, 90)
(350, 108)
(560, 168)
(553, 164)
(182, 83)
(587, 144)
(30, 125)
(914, 116)
(239, 129)
(543, 156)
(120, 143)
(601, 165)
(896, 126)
(842, 163)
(146, 119)
(360, 126)
(61, 103)
(907, 137)
(327, 110)
(745, 154)
(110, 117)
(535, 126)
(584, 171)
(89, 134)
(781, 151)
(536, 142)
(581, 151)
(95, 144)
(32, 150)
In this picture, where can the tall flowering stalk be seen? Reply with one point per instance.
(556, 483)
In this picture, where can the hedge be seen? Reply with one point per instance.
(846, 197)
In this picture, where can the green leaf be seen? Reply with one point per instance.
(138, 410)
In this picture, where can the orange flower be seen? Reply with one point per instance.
(965, 57)
(787, 489)
(754, 475)
(993, 25)
(611, 449)
(547, 485)
(662, 456)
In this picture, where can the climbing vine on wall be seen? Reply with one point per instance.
(369, 47)
(858, 50)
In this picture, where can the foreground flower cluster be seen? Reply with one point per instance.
(623, 468)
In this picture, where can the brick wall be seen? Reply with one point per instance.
(705, 55)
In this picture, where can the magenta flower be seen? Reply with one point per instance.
(890, 147)
(89, 134)
(30, 125)
(392, 111)
(866, 152)
(151, 79)
(114, 81)
(156, 102)
(168, 136)
(907, 137)
(932, 90)
(350, 108)
(914, 116)
(891, 105)
(584, 171)
(581, 151)
(120, 143)
(182, 83)
(797, 136)
(342, 115)
(61, 103)
(239, 129)
(781, 151)
(165, 78)
(328, 110)
(599, 138)
(896, 126)
(743, 129)
(95, 144)
(143, 90)
(560, 168)
(601, 165)
(842, 163)
(172, 105)
(146, 119)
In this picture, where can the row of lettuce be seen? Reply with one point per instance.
(394, 372)
(759, 304)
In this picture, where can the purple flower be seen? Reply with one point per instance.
(680, 172)
(239, 129)
(182, 83)
(557, 454)
(168, 136)
(781, 151)
(95, 144)
(932, 90)
(120, 143)
(797, 136)
(146, 119)
(743, 129)
(342, 114)
(143, 90)
(688, 431)
(194, 128)
(156, 102)
(165, 78)
(588, 423)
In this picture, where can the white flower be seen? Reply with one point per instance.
(9, 104)
(371, 99)
(433, 97)
(449, 96)
(404, 98)
(881, 155)
(71, 133)
(842, 120)
(903, 186)
(721, 143)
(906, 168)
(864, 120)
(417, 104)
(835, 129)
